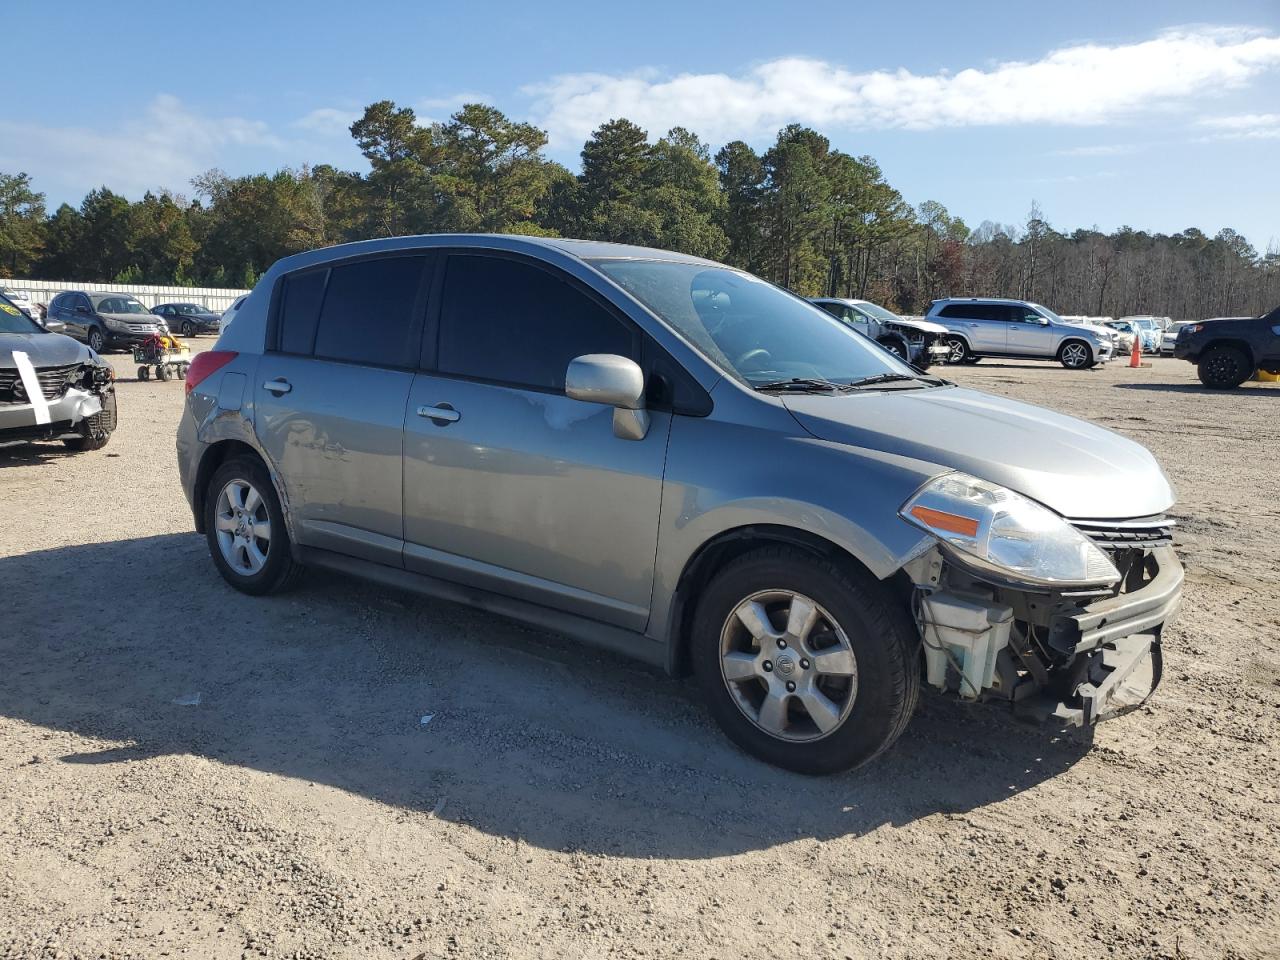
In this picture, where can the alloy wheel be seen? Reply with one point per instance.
(788, 665)
(957, 353)
(243, 527)
(1075, 355)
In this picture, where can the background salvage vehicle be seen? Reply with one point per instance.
(1226, 352)
(105, 320)
(681, 462)
(989, 327)
(52, 388)
(916, 341)
(188, 319)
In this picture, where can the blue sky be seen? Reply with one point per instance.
(1157, 115)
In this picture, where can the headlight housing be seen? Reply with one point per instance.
(994, 529)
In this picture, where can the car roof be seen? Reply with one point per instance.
(515, 243)
(980, 300)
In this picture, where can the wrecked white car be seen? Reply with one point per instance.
(918, 342)
(51, 387)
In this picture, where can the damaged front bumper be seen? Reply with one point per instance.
(18, 421)
(1070, 658)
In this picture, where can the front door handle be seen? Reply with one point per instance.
(442, 414)
(278, 386)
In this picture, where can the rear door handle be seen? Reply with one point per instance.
(278, 386)
(442, 414)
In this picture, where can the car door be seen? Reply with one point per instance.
(83, 312)
(1028, 334)
(509, 484)
(331, 391)
(982, 324)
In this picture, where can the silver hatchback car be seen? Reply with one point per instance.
(676, 460)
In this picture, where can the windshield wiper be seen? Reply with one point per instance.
(800, 385)
(896, 378)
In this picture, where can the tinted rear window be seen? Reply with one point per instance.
(369, 311)
(516, 323)
(300, 309)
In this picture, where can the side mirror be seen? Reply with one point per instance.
(81, 308)
(613, 380)
(1043, 321)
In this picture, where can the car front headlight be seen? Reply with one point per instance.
(994, 529)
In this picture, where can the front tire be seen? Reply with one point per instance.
(1075, 355)
(97, 340)
(187, 329)
(1224, 368)
(96, 430)
(897, 347)
(805, 663)
(244, 526)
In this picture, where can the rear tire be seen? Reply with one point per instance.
(187, 329)
(1224, 368)
(234, 556)
(144, 373)
(868, 680)
(959, 350)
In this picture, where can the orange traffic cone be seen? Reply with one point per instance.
(1135, 358)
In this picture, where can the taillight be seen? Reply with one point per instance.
(204, 364)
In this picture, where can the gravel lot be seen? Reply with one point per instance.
(566, 803)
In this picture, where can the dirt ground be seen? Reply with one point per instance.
(186, 771)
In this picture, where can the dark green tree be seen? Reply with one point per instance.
(21, 224)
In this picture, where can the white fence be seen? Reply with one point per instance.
(216, 299)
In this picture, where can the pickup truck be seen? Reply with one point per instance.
(1226, 352)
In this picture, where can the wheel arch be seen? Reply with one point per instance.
(1242, 345)
(727, 546)
(215, 456)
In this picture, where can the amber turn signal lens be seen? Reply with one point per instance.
(950, 522)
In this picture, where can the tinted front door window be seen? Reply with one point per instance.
(511, 322)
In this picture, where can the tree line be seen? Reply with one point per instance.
(802, 214)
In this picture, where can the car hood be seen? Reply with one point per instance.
(1080, 470)
(923, 325)
(44, 349)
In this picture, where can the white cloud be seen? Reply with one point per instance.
(439, 109)
(328, 121)
(165, 148)
(1242, 126)
(1098, 150)
(1078, 85)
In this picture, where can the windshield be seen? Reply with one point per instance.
(13, 320)
(753, 331)
(118, 304)
(877, 311)
(1046, 312)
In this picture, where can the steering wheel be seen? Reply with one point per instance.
(759, 355)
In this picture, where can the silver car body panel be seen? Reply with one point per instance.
(1069, 465)
(529, 495)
